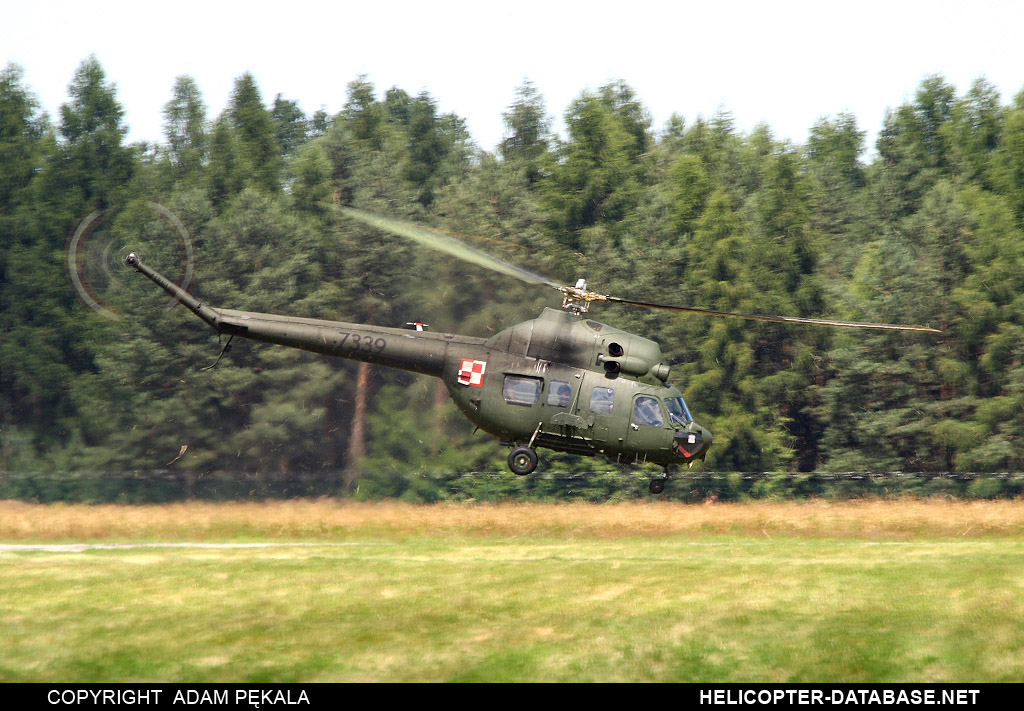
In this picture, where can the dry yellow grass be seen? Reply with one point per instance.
(331, 519)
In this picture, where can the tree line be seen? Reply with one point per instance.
(924, 228)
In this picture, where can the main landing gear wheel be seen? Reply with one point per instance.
(522, 461)
(657, 486)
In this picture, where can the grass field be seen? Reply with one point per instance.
(858, 591)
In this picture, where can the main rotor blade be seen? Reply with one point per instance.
(446, 243)
(435, 239)
(778, 319)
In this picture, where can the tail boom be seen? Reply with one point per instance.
(416, 351)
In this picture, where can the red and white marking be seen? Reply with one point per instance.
(472, 372)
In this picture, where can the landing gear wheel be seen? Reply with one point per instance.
(657, 486)
(522, 461)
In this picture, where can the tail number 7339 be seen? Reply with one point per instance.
(357, 342)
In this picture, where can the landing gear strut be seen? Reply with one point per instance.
(522, 461)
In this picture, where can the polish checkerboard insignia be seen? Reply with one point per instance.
(472, 372)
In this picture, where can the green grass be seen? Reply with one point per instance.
(489, 607)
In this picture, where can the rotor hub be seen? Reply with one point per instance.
(577, 298)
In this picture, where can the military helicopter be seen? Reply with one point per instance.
(562, 381)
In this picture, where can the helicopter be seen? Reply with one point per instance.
(561, 381)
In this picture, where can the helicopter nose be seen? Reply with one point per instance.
(709, 438)
(693, 442)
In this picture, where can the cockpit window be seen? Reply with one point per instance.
(677, 411)
(647, 411)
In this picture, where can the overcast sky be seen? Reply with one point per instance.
(784, 62)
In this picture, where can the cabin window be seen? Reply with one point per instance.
(559, 393)
(647, 411)
(520, 390)
(677, 411)
(602, 400)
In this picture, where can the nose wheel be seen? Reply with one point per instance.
(522, 461)
(658, 485)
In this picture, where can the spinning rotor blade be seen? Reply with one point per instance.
(776, 319)
(440, 241)
(579, 297)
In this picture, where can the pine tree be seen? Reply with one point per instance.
(96, 164)
(185, 129)
(528, 131)
(256, 132)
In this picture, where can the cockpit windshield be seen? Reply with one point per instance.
(678, 411)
